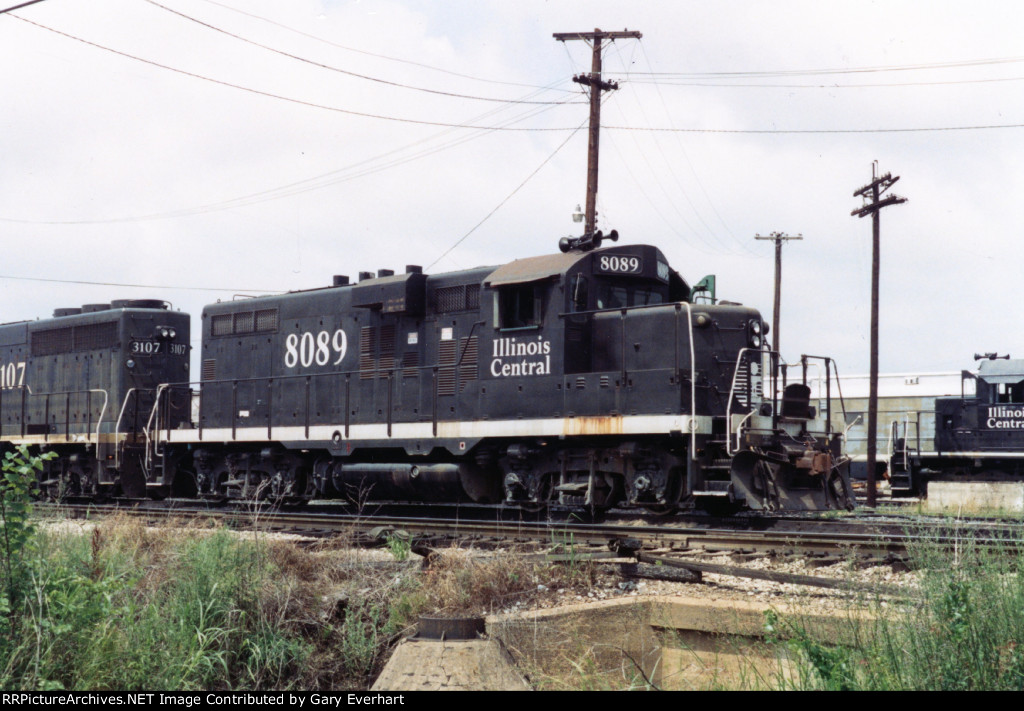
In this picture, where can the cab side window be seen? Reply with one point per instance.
(579, 293)
(519, 307)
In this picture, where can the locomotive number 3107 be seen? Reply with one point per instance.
(307, 348)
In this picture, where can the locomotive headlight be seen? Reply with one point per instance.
(164, 332)
(754, 333)
(172, 333)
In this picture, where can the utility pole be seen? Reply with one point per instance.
(778, 238)
(873, 191)
(597, 85)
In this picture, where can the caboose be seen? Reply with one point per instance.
(83, 385)
(588, 378)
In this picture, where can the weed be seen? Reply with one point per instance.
(399, 545)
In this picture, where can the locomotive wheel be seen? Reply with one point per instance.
(672, 496)
(289, 486)
(543, 496)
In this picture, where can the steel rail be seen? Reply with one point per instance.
(808, 537)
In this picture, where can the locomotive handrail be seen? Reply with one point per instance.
(154, 425)
(154, 414)
(732, 394)
(67, 426)
(693, 382)
(117, 427)
(739, 428)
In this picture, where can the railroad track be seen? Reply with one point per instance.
(874, 536)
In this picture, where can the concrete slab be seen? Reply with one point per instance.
(648, 642)
(974, 496)
(456, 665)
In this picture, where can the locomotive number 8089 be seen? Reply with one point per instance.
(589, 378)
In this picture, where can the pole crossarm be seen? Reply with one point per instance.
(596, 35)
(876, 206)
(599, 83)
(883, 183)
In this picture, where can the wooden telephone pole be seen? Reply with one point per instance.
(597, 85)
(873, 191)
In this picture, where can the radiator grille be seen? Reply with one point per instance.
(74, 338)
(242, 322)
(460, 297)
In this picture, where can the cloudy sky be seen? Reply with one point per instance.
(205, 149)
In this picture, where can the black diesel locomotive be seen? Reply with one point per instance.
(979, 438)
(84, 384)
(587, 379)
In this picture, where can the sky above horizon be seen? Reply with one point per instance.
(203, 150)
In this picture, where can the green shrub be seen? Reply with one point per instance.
(964, 630)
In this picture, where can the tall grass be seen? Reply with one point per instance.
(964, 630)
(110, 614)
(118, 606)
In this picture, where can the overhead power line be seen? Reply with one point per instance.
(343, 71)
(271, 95)
(510, 128)
(386, 57)
(361, 168)
(816, 130)
(837, 70)
(902, 84)
(536, 170)
(18, 7)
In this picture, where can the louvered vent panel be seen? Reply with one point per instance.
(387, 350)
(410, 364)
(209, 369)
(468, 352)
(446, 373)
(367, 348)
(446, 353)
